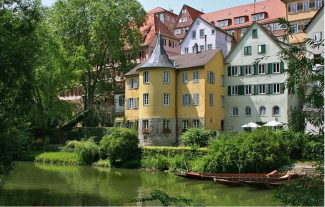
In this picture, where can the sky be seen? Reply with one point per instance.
(176, 5)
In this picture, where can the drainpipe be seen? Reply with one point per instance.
(176, 103)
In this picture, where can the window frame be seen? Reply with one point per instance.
(193, 34)
(247, 111)
(196, 99)
(261, 69)
(261, 49)
(248, 88)
(146, 99)
(276, 88)
(145, 124)
(146, 77)
(262, 109)
(166, 124)
(196, 123)
(185, 77)
(196, 76)
(247, 50)
(234, 111)
(166, 99)
(262, 86)
(276, 68)
(234, 90)
(273, 111)
(210, 99)
(166, 76)
(201, 33)
(185, 124)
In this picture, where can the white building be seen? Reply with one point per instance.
(254, 81)
(206, 37)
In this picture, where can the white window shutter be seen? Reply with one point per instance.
(130, 83)
(238, 70)
(127, 104)
(136, 83)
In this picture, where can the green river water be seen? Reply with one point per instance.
(95, 186)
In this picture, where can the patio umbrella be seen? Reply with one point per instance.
(273, 124)
(251, 124)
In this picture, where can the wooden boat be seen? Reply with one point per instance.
(232, 183)
(270, 182)
(181, 175)
(275, 184)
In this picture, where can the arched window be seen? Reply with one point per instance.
(262, 111)
(234, 111)
(248, 111)
(276, 111)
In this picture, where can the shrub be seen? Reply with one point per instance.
(259, 151)
(86, 132)
(121, 144)
(196, 137)
(314, 151)
(72, 144)
(295, 142)
(174, 151)
(87, 151)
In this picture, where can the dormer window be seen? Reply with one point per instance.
(259, 16)
(223, 23)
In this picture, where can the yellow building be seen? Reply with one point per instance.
(167, 95)
(299, 13)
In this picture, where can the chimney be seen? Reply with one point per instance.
(172, 11)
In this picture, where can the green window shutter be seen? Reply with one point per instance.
(254, 34)
(229, 70)
(282, 87)
(255, 89)
(184, 99)
(270, 68)
(242, 70)
(241, 89)
(229, 90)
(282, 66)
(263, 48)
(255, 69)
(270, 89)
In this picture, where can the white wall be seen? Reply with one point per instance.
(317, 25)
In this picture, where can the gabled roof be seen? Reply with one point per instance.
(152, 27)
(190, 60)
(217, 28)
(264, 30)
(274, 8)
(321, 10)
(159, 57)
(192, 12)
(159, 9)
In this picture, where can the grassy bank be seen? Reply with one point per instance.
(50, 157)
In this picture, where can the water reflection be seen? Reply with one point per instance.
(85, 185)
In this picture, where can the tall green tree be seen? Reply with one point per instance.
(18, 48)
(94, 30)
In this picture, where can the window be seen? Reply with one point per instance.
(121, 100)
(146, 99)
(183, 11)
(247, 50)
(242, 20)
(201, 33)
(209, 46)
(132, 103)
(162, 17)
(133, 83)
(222, 102)
(166, 97)
(185, 77)
(186, 50)
(262, 111)
(211, 99)
(237, 20)
(183, 20)
(201, 48)
(254, 33)
(306, 5)
(146, 77)
(243, 31)
(167, 18)
(247, 111)
(222, 80)
(261, 48)
(186, 99)
(171, 43)
(234, 111)
(276, 68)
(165, 124)
(231, 32)
(145, 124)
(294, 28)
(292, 8)
(166, 77)
(318, 4)
(213, 31)
(185, 124)
(211, 77)
(194, 34)
(248, 90)
(172, 19)
(235, 70)
(248, 70)
(223, 23)
(261, 89)
(234, 90)
(131, 124)
(261, 16)
(317, 36)
(195, 76)
(196, 99)
(261, 69)
(276, 88)
(196, 123)
(177, 31)
(276, 111)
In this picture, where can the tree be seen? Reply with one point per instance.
(18, 48)
(93, 31)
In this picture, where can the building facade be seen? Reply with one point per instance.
(254, 80)
(206, 37)
(167, 95)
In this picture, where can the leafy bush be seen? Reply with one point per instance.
(314, 151)
(196, 137)
(87, 151)
(259, 151)
(86, 132)
(120, 145)
(174, 151)
(295, 142)
(72, 144)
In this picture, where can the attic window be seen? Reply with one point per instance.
(145, 32)
(184, 11)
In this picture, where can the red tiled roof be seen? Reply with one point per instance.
(274, 8)
(152, 27)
